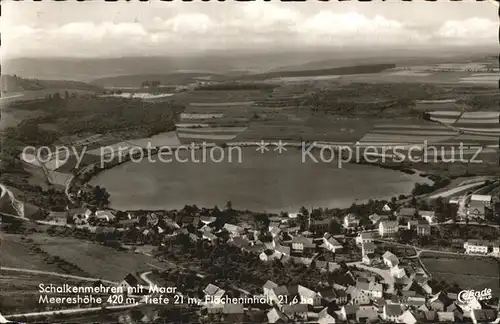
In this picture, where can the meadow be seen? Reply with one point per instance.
(89, 259)
(467, 272)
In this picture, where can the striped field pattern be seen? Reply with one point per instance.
(485, 123)
(387, 134)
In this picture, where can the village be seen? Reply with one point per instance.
(384, 279)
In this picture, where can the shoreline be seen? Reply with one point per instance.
(414, 174)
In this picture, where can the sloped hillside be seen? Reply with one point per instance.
(13, 84)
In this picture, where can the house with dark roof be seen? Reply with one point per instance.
(132, 285)
(302, 244)
(367, 248)
(367, 314)
(348, 312)
(364, 237)
(331, 295)
(279, 295)
(407, 212)
(439, 302)
(358, 297)
(392, 312)
(285, 250)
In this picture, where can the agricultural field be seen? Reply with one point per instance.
(467, 272)
(97, 260)
(407, 132)
(18, 251)
(20, 291)
(40, 251)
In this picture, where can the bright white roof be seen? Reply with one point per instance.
(485, 198)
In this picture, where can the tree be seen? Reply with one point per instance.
(439, 209)
(303, 211)
(334, 227)
(229, 205)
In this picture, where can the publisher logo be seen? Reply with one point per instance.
(467, 295)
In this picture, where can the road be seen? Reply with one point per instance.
(455, 190)
(144, 276)
(70, 311)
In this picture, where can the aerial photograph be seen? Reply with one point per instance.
(250, 162)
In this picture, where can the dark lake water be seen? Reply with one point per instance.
(261, 182)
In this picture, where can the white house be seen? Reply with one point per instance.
(234, 230)
(390, 259)
(407, 318)
(88, 213)
(302, 244)
(387, 208)
(484, 199)
(397, 272)
(475, 247)
(387, 228)
(276, 316)
(351, 221)
(105, 215)
(270, 255)
(370, 288)
(213, 291)
(330, 243)
(308, 296)
(364, 237)
(429, 216)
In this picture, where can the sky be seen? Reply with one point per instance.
(103, 29)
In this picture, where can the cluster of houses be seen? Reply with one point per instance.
(367, 300)
(477, 205)
(407, 298)
(473, 207)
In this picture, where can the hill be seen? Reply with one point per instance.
(355, 69)
(14, 83)
(136, 80)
